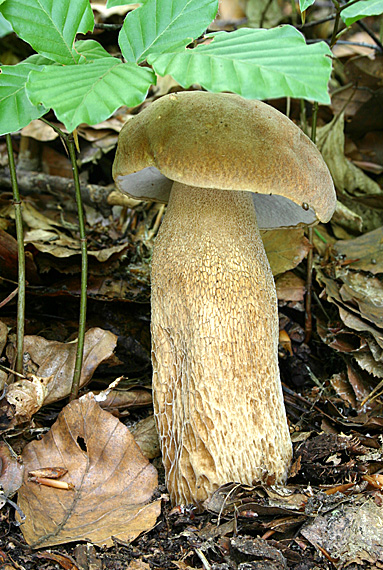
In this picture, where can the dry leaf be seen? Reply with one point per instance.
(27, 396)
(349, 533)
(113, 481)
(146, 437)
(285, 248)
(57, 359)
(40, 131)
(343, 388)
(290, 287)
(347, 176)
(3, 336)
(351, 182)
(138, 565)
(64, 561)
(11, 471)
(121, 399)
(364, 252)
(107, 12)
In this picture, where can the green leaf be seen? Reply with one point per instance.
(160, 25)
(257, 64)
(360, 10)
(90, 50)
(304, 4)
(91, 92)
(5, 27)
(39, 60)
(50, 26)
(114, 3)
(16, 111)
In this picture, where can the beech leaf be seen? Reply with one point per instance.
(113, 481)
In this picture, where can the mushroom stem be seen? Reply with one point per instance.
(217, 394)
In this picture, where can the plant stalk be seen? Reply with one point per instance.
(310, 256)
(84, 271)
(20, 257)
(69, 140)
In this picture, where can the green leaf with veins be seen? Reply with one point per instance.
(90, 50)
(16, 110)
(162, 25)
(90, 92)
(50, 26)
(360, 10)
(255, 63)
(304, 4)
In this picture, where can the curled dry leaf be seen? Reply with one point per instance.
(123, 399)
(27, 396)
(49, 472)
(113, 481)
(57, 359)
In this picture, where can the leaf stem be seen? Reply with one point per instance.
(20, 257)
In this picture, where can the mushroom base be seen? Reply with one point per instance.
(217, 394)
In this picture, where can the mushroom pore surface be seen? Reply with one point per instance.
(217, 395)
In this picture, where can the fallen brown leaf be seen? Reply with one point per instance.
(113, 481)
(350, 533)
(285, 248)
(64, 561)
(146, 437)
(57, 359)
(11, 471)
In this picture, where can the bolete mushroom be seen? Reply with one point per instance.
(221, 162)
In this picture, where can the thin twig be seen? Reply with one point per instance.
(264, 13)
(317, 22)
(347, 43)
(366, 29)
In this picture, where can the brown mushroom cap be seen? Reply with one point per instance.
(223, 141)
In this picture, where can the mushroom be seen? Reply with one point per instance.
(221, 162)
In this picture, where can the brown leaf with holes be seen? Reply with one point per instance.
(113, 481)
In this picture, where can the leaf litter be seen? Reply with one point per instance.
(113, 482)
(328, 514)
